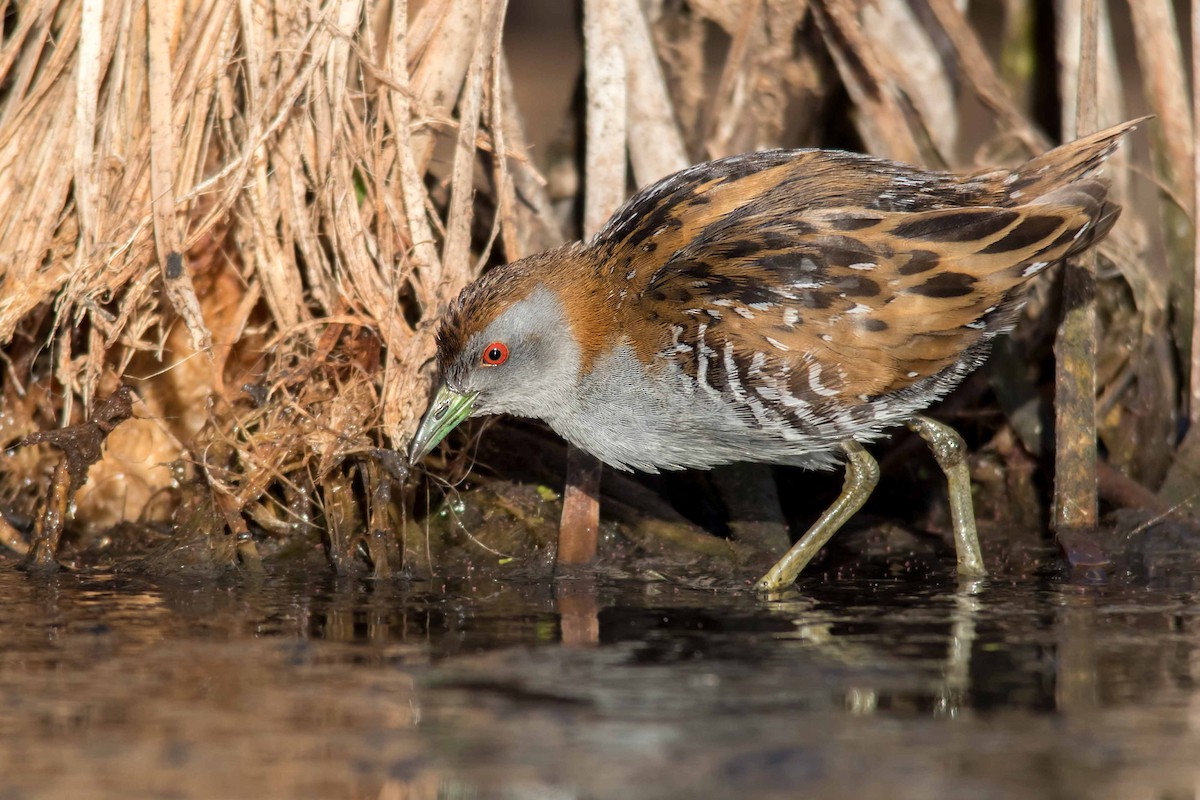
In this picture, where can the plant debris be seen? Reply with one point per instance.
(81, 447)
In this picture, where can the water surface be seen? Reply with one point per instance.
(113, 686)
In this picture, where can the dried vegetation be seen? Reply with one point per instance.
(251, 213)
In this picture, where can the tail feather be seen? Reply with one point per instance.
(1090, 197)
(1070, 163)
(1109, 213)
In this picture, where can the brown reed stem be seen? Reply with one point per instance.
(604, 168)
(1194, 394)
(1075, 495)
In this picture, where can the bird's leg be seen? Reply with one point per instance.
(951, 453)
(862, 473)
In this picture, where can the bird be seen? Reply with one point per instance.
(781, 307)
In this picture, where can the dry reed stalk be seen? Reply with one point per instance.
(177, 281)
(1194, 394)
(422, 253)
(456, 256)
(881, 122)
(285, 158)
(1163, 76)
(1110, 104)
(1163, 71)
(722, 117)
(980, 73)
(607, 118)
(919, 72)
(764, 73)
(604, 168)
(1075, 497)
(530, 225)
(656, 146)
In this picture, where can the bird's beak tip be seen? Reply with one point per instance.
(448, 409)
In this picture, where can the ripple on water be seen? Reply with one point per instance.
(307, 686)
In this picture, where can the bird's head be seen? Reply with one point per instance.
(505, 346)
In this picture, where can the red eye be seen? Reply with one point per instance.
(495, 354)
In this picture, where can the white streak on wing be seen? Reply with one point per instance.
(1034, 268)
(800, 411)
(745, 312)
(731, 373)
(790, 315)
(859, 308)
(768, 393)
(863, 265)
(778, 345)
(757, 409)
(676, 345)
(779, 393)
(814, 381)
(724, 302)
(703, 352)
(760, 306)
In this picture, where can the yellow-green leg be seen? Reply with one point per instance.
(951, 454)
(862, 473)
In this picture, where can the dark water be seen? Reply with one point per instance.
(286, 687)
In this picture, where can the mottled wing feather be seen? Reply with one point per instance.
(852, 304)
(663, 218)
(705, 199)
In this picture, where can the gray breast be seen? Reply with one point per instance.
(631, 419)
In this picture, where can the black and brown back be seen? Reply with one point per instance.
(849, 277)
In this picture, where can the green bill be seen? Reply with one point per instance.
(448, 409)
